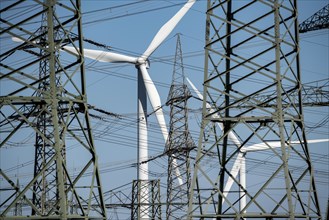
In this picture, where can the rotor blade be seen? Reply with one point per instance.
(102, 56)
(166, 29)
(234, 173)
(243, 184)
(276, 144)
(156, 105)
(239, 161)
(154, 100)
(231, 134)
(18, 40)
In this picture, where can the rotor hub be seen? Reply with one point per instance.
(142, 60)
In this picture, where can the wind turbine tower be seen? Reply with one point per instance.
(43, 98)
(179, 143)
(249, 54)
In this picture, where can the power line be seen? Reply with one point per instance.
(131, 14)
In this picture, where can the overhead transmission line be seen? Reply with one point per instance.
(130, 14)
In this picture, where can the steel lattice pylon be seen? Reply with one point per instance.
(43, 95)
(251, 51)
(180, 142)
(318, 21)
(145, 206)
(44, 188)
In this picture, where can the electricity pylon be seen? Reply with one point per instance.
(44, 188)
(43, 94)
(318, 21)
(252, 49)
(180, 142)
(146, 206)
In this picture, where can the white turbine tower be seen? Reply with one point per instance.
(145, 84)
(239, 165)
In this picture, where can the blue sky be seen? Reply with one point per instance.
(113, 87)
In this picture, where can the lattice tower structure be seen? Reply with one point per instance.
(249, 54)
(314, 94)
(152, 200)
(19, 205)
(318, 21)
(179, 143)
(44, 188)
(43, 95)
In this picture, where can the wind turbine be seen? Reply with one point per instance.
(145, 84)
(144, 79)
(239, 165)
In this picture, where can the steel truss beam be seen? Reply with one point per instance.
(50, 104)
(318, 21)
(251, 51)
